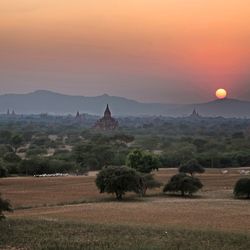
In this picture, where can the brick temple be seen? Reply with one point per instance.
(107, 122)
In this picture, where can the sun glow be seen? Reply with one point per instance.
(221, 93)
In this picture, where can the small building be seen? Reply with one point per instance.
(107, 122)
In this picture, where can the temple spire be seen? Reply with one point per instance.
(195, 114)
(107, 112)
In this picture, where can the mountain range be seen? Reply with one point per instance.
(43, 101)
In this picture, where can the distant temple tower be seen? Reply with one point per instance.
(79, 117)
(107, 122)
(195, 114)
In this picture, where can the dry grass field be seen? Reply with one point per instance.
(76, 198)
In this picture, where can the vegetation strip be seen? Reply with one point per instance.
(41, 234)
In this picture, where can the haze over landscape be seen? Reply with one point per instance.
(124, 124)
(168, 51)
(42, 101)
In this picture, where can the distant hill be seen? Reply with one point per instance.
(43, 101)
(225, 107)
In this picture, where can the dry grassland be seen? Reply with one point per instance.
(213, 208)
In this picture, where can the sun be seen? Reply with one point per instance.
(221, 93)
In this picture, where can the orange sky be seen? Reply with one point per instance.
(151, 50)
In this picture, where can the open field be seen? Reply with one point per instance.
(32, 192)
(75, 199)
(40, 234)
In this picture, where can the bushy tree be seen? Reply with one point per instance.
(3, 170)
(183, 183)
(16, 141)
(38, 165)
(11, 157)
(5, 136)
(34, 166)
(143, 162)
(149, 182)
(191, 167)
(118, 181)
(89, 153)
(242, 188)
(4, 206)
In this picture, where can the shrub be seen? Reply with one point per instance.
(183, 183)
(4, 206)
(118, 181)
(242, 188)
(3, 170)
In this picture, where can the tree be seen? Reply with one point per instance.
(5, 136)
(11, 157)
(142, 161)
(16, 141)
(183, 183)
(149, 182)
(85, 153)
(3, 170)
(191, 167)
(242, 188)
(4, 206)
(118, 181)
(35, 166)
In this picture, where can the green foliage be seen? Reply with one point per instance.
(5, 136)
(3, 170)
(191, 167)
(143, 162)
(101, 150)
(16, 140)
(214, 143)
(35, 151)
(122, 138)
(93, 156)
(242, 158)
(4, 207)
(242, 188)
(5, 148)
(183, 183)
(41, 141)
(238, 135)
(35, 166)
(11, 157)
(118, 181)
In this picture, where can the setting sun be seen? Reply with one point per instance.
(221, 93)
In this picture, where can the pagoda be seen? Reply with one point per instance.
(79, 117)
(107, 122)
(195, 115)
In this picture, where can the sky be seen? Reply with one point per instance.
(172, 51)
